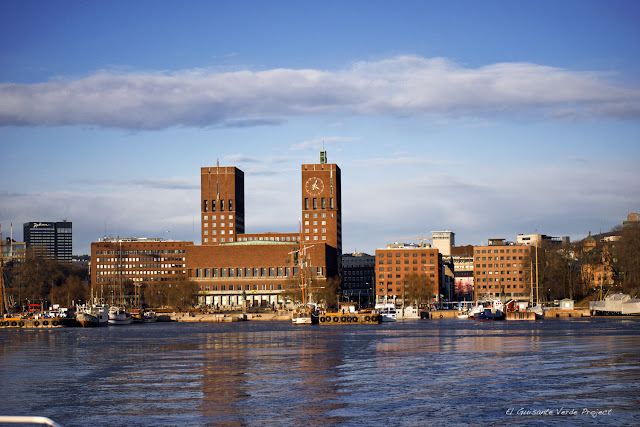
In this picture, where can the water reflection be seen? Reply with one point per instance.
(255, 373)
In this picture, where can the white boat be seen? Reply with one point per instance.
(488, 310)
(118, 316)
(387, 311)
(462, 314)
(538, 311)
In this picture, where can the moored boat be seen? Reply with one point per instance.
(387, 312)
(493, 310)
(92, 315)
(118, 316)
(305, 316)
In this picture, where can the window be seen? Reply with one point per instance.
(204, 206)
(324, 204)
(213, 207)
(331, 203)
(222, 205)
(315, 203)
(230, 204)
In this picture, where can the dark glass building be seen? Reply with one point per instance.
(54, 237)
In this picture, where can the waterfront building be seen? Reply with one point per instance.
(398, 261)
(53, 239)
(502, 271)
(358, 277)
(443, 241)
(258, 267)
(142, 261)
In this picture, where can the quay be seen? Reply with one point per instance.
(19, 323)
(350, 318)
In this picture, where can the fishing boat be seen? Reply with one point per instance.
(118, 316)
(150, 316)
(92, 315)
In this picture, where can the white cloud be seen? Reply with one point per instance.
(398, 86)
(316, 143)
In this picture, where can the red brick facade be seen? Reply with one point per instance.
(499, 271)
(393, 265)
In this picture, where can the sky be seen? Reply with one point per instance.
(486, 118)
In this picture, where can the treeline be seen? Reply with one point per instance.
(609, 263)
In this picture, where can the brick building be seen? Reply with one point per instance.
(142, 261)
(231, 266)
(397, 261)
(499, 271)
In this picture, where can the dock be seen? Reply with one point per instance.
(45, 323)
(350, 318)
(520, 315)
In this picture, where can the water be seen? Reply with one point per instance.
(411, 373)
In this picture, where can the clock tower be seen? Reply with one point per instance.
(322, 208)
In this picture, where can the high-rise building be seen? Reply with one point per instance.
(53, 238)
(222, 204)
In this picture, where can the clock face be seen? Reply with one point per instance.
(314, 186)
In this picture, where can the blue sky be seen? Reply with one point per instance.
(487, 118)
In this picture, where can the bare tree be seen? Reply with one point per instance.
(419, 289)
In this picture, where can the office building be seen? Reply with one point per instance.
(502, 271)
(358, 277)
(52, 239)
(398, 261)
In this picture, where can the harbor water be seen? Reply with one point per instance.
(408, 373)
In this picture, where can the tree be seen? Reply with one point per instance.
(182, 294)
(72, 290)
(419, 289)
(327, 295)
(626, 259)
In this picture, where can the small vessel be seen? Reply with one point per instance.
(462, 314)
(492, 311)
(150, 316)
(387, 311)
(539, 312)
(92, 315)
(305, 315)
(118, 316)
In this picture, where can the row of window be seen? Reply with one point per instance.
(499, 279)
(480, 273)
(423, 268)
(262, 287)
(484, 258)
(500, 287)
(205, 205)
(389, 276)
(496, 265)
(323, 203)
(495, 251)
(406, 255)
(142, 252)
(250, 272)
(406, 261)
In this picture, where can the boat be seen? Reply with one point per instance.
(462, 314)
(305, 315)
(150, 316)
(92, 315)
(387, 311)
(118, 316)
(539, 312)
(493, 310)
